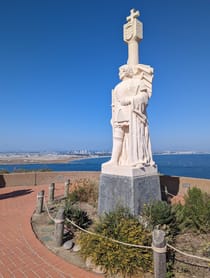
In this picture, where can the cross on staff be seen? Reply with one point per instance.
(134, 14)
(132, 35)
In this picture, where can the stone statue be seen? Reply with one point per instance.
(130, 179)
(131, 140)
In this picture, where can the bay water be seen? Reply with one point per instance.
(187, 165)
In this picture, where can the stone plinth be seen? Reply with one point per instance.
(126, 170)
(127, 191)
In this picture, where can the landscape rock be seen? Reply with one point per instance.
(97, 269)
(68, 244)
(89, 263)
(76, 248)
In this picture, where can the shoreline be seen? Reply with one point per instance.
(59, 159)
(43, 159)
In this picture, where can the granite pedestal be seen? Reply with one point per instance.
(127, 191)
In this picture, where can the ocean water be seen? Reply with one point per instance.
(189, 165)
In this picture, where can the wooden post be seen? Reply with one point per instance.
(51, 192)
(66, 188)
(35, 177)
(59, 227)
(40, 200)
(159, 253)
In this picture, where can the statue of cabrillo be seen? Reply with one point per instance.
(130, 179)
(131, 140)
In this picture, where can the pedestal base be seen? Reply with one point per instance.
(127, 191)
(126, 170)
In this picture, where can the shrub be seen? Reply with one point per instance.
(4, 171)
(116, 258)
(73, 197)
(159, 214)
(195, 214)
(84, 190)
(44, 170)
(22, 170)
(78, 216)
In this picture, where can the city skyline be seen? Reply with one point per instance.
(59, 62)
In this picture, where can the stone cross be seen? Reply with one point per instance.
(132, 34)
(134, 14)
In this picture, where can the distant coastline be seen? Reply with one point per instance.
(179, 153)
(40, 158)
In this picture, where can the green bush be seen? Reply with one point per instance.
(4, 171)
(116, 258)
(44, 170)
(84, 191)
(195, 214)
(159, 214)
(78, 216)
(22, 170)
(73, 197)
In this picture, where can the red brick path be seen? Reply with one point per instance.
(21, 253)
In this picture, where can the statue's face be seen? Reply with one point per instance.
(124, 72)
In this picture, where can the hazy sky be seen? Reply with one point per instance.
(59, 61)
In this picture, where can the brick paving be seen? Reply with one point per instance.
(21, 253)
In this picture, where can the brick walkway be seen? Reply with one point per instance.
(21, 253)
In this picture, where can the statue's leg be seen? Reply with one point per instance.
(118, 135)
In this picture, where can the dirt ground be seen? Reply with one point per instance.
(195, 244)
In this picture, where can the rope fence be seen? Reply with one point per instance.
(48, 212)
(188, 255)
(110, 239)
(167, 193)
(158, 250)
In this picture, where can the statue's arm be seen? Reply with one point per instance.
(139, 106)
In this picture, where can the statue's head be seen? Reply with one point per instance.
(125, 71)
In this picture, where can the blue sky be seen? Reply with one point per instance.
(59, 61)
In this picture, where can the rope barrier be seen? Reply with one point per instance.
(159, 250)
(156, 249)
(188, 255)
(94, 234)
(111, 239)
(58, 221)
(45, 204)
(166, 192)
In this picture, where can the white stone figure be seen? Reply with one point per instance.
(131, 141)
(131, 152)
(130, 179)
